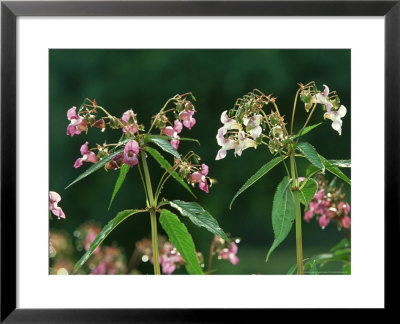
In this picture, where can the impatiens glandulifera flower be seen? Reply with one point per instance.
(229, 254)
(253, 125)
(328, 204)
(54, 198)
(243, 143)
(335, 116)
(187, 116)
(229, 123)
(91, 234)
(130, 153)
(173, 132)
(323, 99)
(225, 143)
(87, 156)
(77, 125)
(200, 178)
(129, 120)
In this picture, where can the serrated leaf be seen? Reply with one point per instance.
(257, 176)
(305, 130)
(335, 170)
(181, 239)
(168, 167)
(199, 216)
(283, 213)
(340, 163)
(310, 154)
(163, 144)
(112, 224)
(95, 167)
(168, 138)
(121, 178)
(307, 193)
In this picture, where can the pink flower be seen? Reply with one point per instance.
(324, 221)
(54, 199)
(308, 215)
(187, 117)
(345, 222)
(87, 156)
(173, 132)
(200, 178)
(77, 125)
(322, 98)
(129, 119)
(90, 236)
(130, 151)
(230, 254)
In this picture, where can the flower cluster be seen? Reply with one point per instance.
(193, 172)
(224, 252)
(183, 114)
(328, 205)
(330, 101)
(111, 262)
(54, 199)
(169, 258)
(244, 124)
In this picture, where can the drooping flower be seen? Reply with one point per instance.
(87, 156)
(322, 98)
(55, 198)
(229, 123)
(129, 120)
(77, 124)
(225, 143)
(187, 118)
(130, 153)
(173, 132)
(200, 178)
(253, 125)
(243, 143)
(335, 116)
(230, 254)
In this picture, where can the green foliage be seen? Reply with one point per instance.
(163, 144)
(95, 167)
(308, 192)
(199, 216)
(335, 170)
(283, 213)
(311, 154)
(181, 239)
(121, 178)
(168, 167)
(257, 176)
(340, 163)
(111, 225)
(305, 131)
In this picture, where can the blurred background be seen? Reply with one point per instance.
(144, 80)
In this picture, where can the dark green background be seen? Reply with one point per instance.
(143, 80)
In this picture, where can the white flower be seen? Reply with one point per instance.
(244, 143)
(229, 123)
(253, 125)
(323, 99)
(336, 116)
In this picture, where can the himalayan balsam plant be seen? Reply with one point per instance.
(133, 149)
(249, 125)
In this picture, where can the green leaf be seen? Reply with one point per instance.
(283, 212)
(163, 144)
(314, 269)
(257, 176)
(199, 216)
(305, 130)
(342, 244)
(347, 269)
(308, 192)
(335, 170)
(311, 154)
(121, 178)
(112, 224)
(181, 239)
(95, 167)
(165, 164)
(340, 163)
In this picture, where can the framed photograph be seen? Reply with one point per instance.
(253, 142)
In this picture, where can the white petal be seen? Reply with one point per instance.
(221, 154)
(337, 126)
(224, 117)
(342, 111)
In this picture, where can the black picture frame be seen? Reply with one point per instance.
(10, 10)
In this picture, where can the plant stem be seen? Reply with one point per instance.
(154, 241)
(152, 204)
(295, 193)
